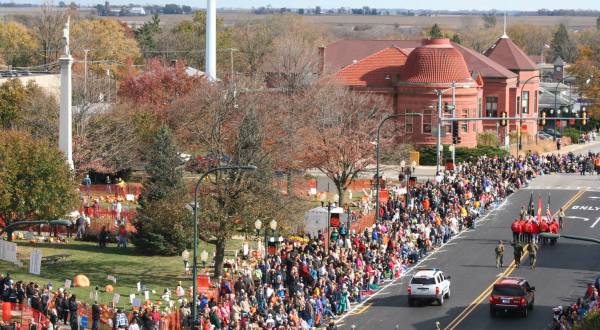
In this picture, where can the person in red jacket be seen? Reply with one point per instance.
(535, 231)
(553, 227)
(527, 230)
(522, 235)
(544, 229)
(516, 230)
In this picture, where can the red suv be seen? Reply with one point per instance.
(512, 294)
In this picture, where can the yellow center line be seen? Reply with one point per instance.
(483, 295)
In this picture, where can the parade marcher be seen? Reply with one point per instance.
(517, 253)
(516, 230)
(522, 234)
(532, 249)
(499, 255)
(561, 216)
(528, 231)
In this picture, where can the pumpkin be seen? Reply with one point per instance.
(81, 281)
(32, 241)
(109, 288)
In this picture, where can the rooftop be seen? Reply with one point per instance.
(505, 52)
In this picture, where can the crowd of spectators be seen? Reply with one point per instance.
(567, 317)
(309, 284)
(306, 285)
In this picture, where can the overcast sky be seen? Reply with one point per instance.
(410, 4)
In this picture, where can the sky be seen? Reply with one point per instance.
(411, 4)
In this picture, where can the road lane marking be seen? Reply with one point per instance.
(574, 217)
(481, 297)
(595, 223)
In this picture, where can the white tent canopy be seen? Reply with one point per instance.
(316, 219)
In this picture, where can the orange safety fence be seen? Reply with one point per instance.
(23, 314)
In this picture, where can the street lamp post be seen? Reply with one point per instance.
(520, 142)
(195, 255)
(377, 155)
(328, 225)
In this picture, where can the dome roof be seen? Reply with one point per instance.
(437, 61)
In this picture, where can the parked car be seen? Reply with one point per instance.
(553, 132)
(544, 136)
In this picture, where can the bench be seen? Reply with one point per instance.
(55, 259)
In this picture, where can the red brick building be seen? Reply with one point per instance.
(408, 72)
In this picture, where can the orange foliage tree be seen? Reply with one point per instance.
(339, 133)
(159, 86)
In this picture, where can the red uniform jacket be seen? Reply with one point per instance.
(544, 227)
(528, 227)
(535, 228)
(516, 227)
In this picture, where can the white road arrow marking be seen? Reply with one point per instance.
(595, 223)
(594, 197)
(574, 217)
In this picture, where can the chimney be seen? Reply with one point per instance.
(211, 40)
(321, 59)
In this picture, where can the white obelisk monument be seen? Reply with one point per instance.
(65, 130)
(211, 40)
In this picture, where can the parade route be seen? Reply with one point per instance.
(562, 273)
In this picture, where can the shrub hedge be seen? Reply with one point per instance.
(428, 157)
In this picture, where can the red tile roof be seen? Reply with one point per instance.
(374, 69)
(343, 52)
(436, 61)
(507, 53)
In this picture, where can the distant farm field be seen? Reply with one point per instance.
(400, 22)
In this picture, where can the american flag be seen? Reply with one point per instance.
(548, 212)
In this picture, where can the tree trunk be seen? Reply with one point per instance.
(290, 188)
(219, 257)
(341, 191)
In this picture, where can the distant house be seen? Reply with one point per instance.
(137, 11)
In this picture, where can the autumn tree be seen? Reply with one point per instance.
(338, 137)
(48, 26)
(530, 38)
(290, 68)
(157, 86)
(35, 181)
(230, 129)
(563, 46)
(186, 41)
(107, 39)
(489, 21)
(17, 44)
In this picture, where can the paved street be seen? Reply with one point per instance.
(560, 278)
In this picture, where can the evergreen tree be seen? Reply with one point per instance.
(164, 173)
(163, 223)
(435, 32)
(563, 46)
(456, 39)
(146, 35)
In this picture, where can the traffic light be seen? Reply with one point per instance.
(584, 118)
(543, 120)
(455, 137)
(504, 121)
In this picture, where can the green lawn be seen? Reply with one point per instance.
(156, 272)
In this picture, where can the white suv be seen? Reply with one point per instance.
(428, 284)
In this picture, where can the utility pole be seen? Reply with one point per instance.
(454, 116)
(85, 73)
(439, 131)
